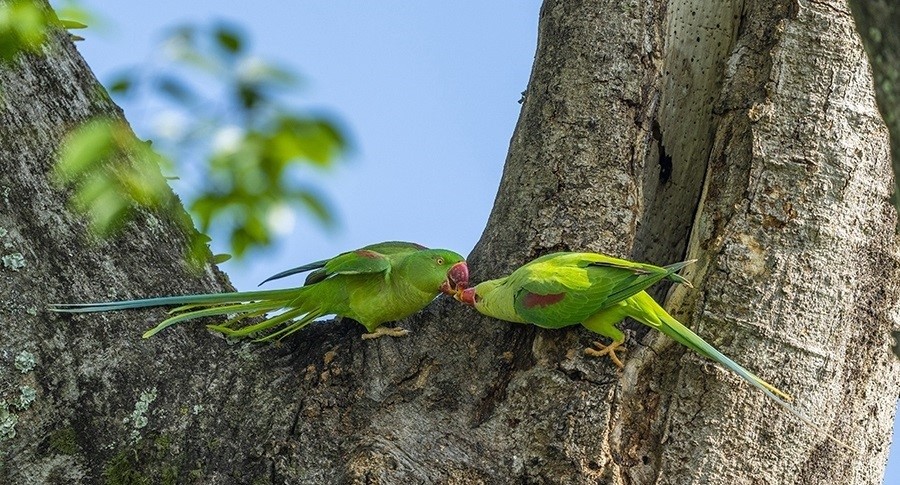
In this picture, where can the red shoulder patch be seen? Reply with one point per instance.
(365, 253)
(533, 300)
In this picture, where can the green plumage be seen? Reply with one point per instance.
(598, 292)
(375, 284)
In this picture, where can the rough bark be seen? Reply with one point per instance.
(877, 21)
(779, 185)
(798, 264)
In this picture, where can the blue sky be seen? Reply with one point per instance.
(429, 94)
(428, 91)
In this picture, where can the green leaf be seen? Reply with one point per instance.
(316, 205)
(228, 39)
(83, 149)
(198, 255)
(72, 24)
(122, 84)
(205, 208)
(249, 95)
(74, 16)
(221, 258)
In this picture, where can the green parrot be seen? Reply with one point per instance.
(597, 291)
(375, 284)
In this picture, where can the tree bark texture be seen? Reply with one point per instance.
(798, 271)
(876, 21)
(742, 135)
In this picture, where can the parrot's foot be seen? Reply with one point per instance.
(386, 331)
(609, 350)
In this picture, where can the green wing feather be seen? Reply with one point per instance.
(584, 283)
(383, 248)
(300, 269)
(395, 247)
(357, 262)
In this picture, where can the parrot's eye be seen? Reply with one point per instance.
(440, 261)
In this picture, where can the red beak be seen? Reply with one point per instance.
(466, 296)
(457, 279)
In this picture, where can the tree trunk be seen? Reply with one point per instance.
(742, 135)
(876, 21)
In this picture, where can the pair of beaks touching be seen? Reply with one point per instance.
(391, 280)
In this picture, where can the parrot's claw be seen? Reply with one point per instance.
(386, 331)
(609, 350)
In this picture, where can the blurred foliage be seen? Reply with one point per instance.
(227, 108)
(99, 158)
(23, 28)
(25, 24)
(233, 133)
(112, 172)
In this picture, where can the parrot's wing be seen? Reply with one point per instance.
(394, 247)
(641, 277)
(382, 248)
(552, 301)
(622, 278)
(357, 262)
(298, 269)
(569, 287)
(548, 304)
(352, 262)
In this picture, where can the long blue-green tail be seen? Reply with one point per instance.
(643, 308)
(650, 313)
(297, 311)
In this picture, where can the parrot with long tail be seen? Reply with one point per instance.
(375, 284)
(597, 292)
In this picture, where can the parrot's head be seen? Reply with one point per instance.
(445, 269)
(475, 295)
(492, 298)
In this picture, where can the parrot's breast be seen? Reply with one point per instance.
(373, 301)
